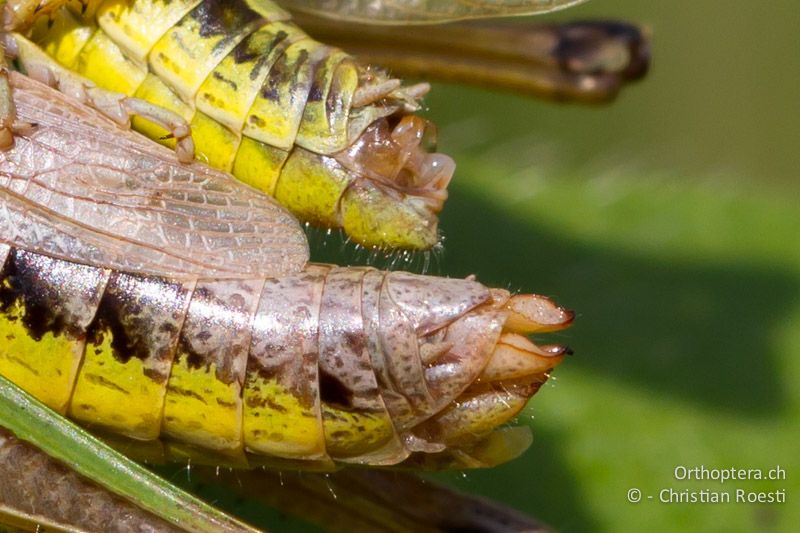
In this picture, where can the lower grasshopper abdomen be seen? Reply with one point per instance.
(342, 364)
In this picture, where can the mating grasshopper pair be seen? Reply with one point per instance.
(131, 280)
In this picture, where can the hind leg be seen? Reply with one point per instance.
(116, 106)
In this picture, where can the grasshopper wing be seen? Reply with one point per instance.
(77, 187)
(421, 11)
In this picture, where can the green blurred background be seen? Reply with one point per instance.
(670, 221)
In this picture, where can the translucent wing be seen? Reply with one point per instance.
(77, 187)
(421, 11)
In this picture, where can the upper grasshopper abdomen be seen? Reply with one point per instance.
(290, 116)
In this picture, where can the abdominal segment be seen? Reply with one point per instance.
(325, 365)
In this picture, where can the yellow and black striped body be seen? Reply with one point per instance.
(264, 101)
